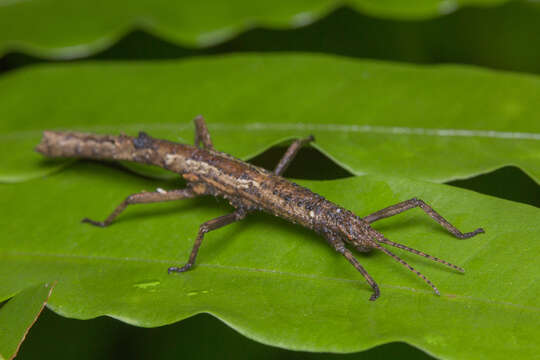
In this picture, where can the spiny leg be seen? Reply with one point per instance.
(417, 252)
(290, 154)
(202, 134)
(404, 263)
(412, 203)
(340, 247)
(144, 198)
(203, 229)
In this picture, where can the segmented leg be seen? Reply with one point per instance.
(414, 202)
(404, 263)
(340, 247)
(290, 154)
(202, 134)
(203, 229)
(144, 198)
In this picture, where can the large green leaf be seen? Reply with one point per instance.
(67, 29)
(18, 315)
(475, 36)
(436, 123)
(274, 281)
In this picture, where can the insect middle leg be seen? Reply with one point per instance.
(412, 203)
(143, 198)
(203, 229)
(290, 154)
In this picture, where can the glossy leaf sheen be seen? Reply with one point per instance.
(434, 123)
(18, 315)
(273, 281)
(67, 29)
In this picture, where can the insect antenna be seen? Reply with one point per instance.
(417, 252)
(404, 263)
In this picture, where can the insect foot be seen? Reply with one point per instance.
(179, 269)
(472, 233)
(376, 293)
(93, 222)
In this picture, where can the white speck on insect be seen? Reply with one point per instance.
(311, 213)
(338, 211)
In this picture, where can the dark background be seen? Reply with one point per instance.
(502, 38)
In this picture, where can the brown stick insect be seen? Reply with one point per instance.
(246, 187)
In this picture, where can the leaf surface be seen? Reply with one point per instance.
(67, 29)
(273, 281)
(18, 315)
(433, 123)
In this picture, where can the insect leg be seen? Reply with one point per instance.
(202, 134)
(412, 203)
(144, 198)
(340, 247)
(203, 229)
(290, 154)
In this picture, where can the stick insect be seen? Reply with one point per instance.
(247, 188)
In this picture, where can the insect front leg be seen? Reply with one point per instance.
(291, 153)
(414, 202)
(143, 198)
(202, 134)
(203, 229)
(339, 246)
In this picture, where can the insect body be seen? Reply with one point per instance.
(246, 187)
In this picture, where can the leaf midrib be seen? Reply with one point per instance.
(342, 128)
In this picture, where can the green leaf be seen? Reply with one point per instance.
(68, 29)
(434, 123)
(273, 281)
(18, 315)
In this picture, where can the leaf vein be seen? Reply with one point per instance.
(390, 130)
(270, 271)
